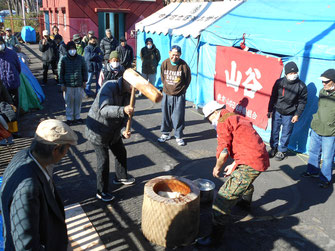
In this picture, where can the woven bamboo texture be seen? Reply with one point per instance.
(170, 222)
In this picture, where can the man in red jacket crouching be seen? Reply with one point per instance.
(239, 140)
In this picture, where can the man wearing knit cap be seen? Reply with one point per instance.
(176, 77)
(32, 210)
(150, 57)
(113, 70)
(238, 139)
(287, 103)
(72, 70)
(323, 133)
(126, 53)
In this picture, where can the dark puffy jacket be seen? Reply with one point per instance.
(108, 45)
(72, 71)
(150, 59)
(49, 51)
(93, 57)
(106, 116)
(112, 74)
(62, 49)
(126, 55)
(10, 69)
(288, 98)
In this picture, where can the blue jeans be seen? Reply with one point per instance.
(325, 146)
(90, 80)
(277, 121)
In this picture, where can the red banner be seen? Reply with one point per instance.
(244, 81)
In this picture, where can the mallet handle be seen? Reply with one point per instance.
(132, 101)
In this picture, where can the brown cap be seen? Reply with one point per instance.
(53, 131)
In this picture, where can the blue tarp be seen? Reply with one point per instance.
(28, 34)
(302, 31)
(33, 82)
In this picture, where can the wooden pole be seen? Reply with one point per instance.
(23, 13)
(11, 15)
(132, 101)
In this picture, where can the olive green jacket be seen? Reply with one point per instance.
(323, 122)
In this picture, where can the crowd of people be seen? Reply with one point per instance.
(28, 193)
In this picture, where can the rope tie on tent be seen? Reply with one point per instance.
(242, 44)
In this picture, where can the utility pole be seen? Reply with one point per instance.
(24, 13)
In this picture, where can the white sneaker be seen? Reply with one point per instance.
(180, 141)
(164, 138)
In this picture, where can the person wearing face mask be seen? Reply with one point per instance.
(72, 70)
(126, 53)
(323, 133)
(80, 45)
(49, 51)
(93, 57)
(237, 139)
(10, 69)
(287, 103)
(150, 57)
(113, 70)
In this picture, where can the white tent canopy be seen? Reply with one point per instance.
(186, 19)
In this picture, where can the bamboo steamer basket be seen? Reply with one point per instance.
(171, 222)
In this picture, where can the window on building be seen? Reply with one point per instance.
(64, 15)
(58, 19)
(108, 25)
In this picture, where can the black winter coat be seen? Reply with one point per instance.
(93, 57)
(126, 55)
(106, 117)
(288, 98)
(150, 59)
(49, 51)
(108, 45)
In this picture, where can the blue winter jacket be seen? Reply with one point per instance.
(93, 57)
(10, 69)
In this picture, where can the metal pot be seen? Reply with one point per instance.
(206, 188)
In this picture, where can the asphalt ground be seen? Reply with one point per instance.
(288, 212)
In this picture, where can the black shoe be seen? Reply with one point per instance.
(79, 121)
(105, 197)
(213, 239)
(279, 156)
(128, 181)
(69, 122)
(273, 152)
(324, 184)
(308, 174)
(244, 204)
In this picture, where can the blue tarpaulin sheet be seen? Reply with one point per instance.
(28, 34)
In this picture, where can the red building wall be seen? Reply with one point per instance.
(80, 16)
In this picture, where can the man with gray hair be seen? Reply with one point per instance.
(32, 210)
(108, 44)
